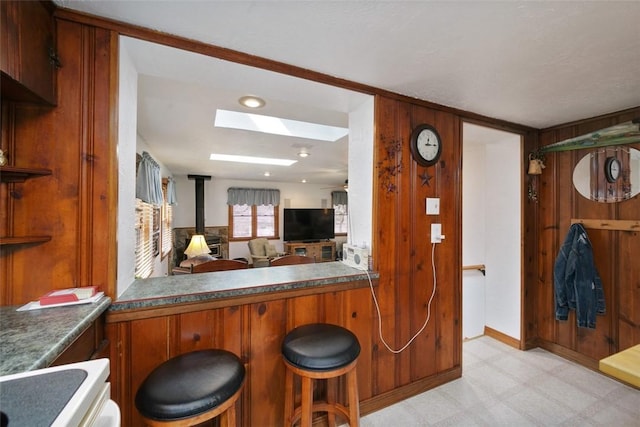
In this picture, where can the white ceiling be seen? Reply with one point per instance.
(179, 92)
(533, 63)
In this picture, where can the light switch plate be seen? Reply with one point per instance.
(433, 206)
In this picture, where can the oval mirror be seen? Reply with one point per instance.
(608, 175)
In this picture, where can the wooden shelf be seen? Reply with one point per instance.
(14, 174)
(20, 240)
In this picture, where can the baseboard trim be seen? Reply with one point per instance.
(404, 392)
(503, 338)
(569, 354)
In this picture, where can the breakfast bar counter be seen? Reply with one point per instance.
(228, 288)
(247, 312)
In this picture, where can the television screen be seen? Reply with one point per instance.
(308, 225)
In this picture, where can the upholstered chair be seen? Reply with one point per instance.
(261, 252)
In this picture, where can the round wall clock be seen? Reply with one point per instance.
(612, 169)
(426, 145)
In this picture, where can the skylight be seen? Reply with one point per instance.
(278, 126)
(250, 159)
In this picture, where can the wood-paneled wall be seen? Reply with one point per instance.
(615, 252)
(76, 205)
(403, 254)
(71, 205)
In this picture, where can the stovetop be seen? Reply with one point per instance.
(57, 396)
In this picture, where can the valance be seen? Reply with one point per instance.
(339, 198)
(148, 180)
(253, 196)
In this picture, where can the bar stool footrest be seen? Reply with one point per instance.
(322, 406)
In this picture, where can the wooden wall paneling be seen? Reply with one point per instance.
(595, 343)
(423, 349)
(32, 147)
(628, 291)
(408, 256)
(611, 252)
(386, 241)
(448, 344)
(268, 326)
(565, 330)
(530, 264)
(628, 277)
(98, 255)
(548, 236)
(406, 266)
(72, 204)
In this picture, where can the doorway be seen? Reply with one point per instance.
(491, 233)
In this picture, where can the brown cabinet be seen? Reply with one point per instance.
(28, 58)
(322, 251)
(91, 344)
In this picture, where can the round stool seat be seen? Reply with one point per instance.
(320, 347)
(190, 384)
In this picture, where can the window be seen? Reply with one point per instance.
(144, 239)
(251, 221)
(253, 212)
(341, 219)
(167, 222)
(341, 212)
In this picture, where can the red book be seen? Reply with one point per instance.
(61, 296)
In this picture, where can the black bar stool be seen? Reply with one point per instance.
(192, 388)
(320, 351)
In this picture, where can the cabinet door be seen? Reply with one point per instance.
(27, 40)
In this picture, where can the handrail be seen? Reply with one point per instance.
(480, 267)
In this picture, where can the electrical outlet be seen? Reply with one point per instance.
(436, 233)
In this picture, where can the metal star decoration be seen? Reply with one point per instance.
(425, 177)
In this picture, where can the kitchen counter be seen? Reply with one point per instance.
(34, 339)
(247, 312)
(235, 285)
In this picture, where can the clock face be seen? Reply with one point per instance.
(425, 145)
(612, 169)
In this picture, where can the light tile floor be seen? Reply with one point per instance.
(502, 386)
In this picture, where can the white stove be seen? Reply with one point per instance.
(72, 395)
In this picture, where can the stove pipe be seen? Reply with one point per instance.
(200, 179)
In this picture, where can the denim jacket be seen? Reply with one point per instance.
(577, 284)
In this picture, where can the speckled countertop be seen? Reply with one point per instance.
(192, 288)
(34, 339)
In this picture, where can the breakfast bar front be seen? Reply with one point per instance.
(247, 312)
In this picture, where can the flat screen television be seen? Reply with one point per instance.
(308, 225)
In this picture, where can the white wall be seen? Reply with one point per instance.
(503, 237)
(127, 125)
(473, 238)
(128, 145)
(361, 174)
(216, 213)
(491, 221)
